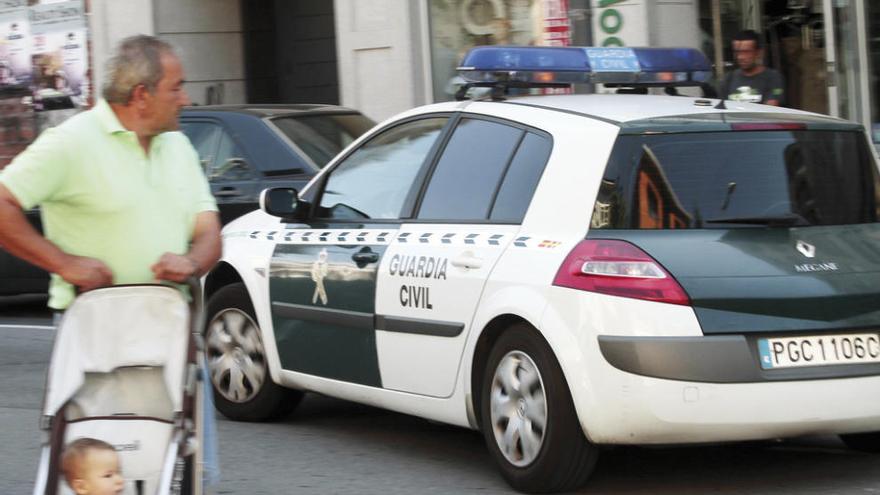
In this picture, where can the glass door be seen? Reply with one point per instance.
(852, 74)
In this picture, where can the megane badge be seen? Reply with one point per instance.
(805, 249)
(319, 271)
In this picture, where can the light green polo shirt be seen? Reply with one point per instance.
(101, 196)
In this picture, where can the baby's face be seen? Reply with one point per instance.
(100, 474)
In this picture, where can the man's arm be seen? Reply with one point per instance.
(777, 88)
(203, 253)
(19, 238)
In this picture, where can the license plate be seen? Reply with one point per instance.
(822, 350)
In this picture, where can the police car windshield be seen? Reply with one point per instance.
(738, 179)
(322, 137)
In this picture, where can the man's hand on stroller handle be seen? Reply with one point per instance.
(86, 273)
(175, 268)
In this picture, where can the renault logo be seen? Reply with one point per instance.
(805, 249)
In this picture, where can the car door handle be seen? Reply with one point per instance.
(365, 257)
(228, 192)
(467, 260)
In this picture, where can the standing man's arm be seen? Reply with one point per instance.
(776, 94)
(20, 238)
(203, 253)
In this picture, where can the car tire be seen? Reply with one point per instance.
(236, 360)
(533, 458)
(864, 442)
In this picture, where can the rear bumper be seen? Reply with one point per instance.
(712, 359)
(644, 410)
(659, 380)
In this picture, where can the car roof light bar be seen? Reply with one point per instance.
(536, 66)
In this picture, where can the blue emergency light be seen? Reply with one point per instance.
(552, 66)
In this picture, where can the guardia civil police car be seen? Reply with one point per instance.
(564, 272)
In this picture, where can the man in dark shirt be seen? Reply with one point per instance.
(752, 82)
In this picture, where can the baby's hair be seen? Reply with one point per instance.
(76, 451)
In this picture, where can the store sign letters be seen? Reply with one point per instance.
(610, 22)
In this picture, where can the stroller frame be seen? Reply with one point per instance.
(126, 368)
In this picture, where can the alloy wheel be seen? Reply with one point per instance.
(518, 408)
(235, 354)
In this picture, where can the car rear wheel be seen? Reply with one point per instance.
(528, 419)
(236, 359)
(865, 442)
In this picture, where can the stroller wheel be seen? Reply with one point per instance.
(236, 359)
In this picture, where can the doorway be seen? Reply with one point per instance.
(290, 51)
(827, 50)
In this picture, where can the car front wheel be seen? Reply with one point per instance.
(236, 360)
(528, 419)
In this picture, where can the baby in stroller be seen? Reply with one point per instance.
(125, 369)
(91, 467)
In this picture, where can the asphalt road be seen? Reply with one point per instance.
(332, 446)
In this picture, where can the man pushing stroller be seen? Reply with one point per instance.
(123, 197)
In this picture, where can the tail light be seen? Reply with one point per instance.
(618, 268)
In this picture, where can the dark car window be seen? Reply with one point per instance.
(230, 164)
(376, 179)
(738, 179)
(521, 179)
(469, 170)
(204, 136)
(322, 137)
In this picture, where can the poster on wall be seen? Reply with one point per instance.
(557, 28)
(15, 54)
(59, 55)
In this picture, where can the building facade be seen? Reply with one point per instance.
(385, 56)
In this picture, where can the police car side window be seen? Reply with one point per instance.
(521, 179)
(375, 180)
(467, 175)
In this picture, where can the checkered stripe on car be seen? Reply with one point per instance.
(375, 236)
(389, 236)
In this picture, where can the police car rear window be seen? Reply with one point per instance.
(738, 179)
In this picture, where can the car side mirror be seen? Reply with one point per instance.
(281, 202)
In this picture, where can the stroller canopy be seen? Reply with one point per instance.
(117, 327)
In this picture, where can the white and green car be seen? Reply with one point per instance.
(565, 272)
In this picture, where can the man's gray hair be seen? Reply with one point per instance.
(137, 61)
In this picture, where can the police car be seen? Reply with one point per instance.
(564, 272)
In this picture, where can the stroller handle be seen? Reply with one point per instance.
(195, 290)
(197, 306)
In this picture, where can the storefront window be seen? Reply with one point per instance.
(847, 65)
(458, 25)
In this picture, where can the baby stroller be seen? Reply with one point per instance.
(125, 370)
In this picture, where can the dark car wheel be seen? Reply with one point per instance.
(528, 419)
(236, 359)
(865, 442)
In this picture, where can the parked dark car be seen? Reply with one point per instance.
(244, 149)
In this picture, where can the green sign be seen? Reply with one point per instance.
(610, 22)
